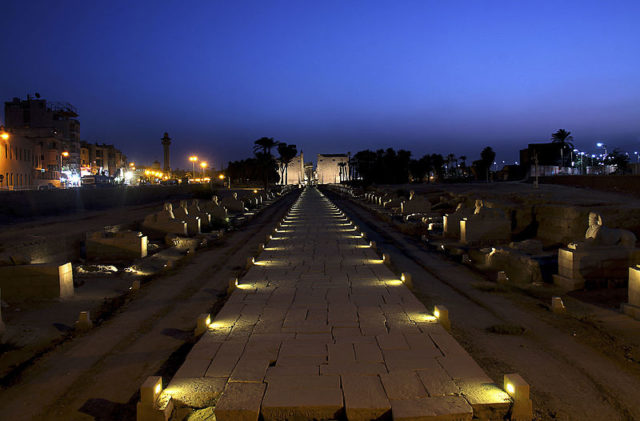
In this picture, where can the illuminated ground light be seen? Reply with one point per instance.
(407, 279)
(250, 261)
(386, 258)
(372, 244)
(202, 323)
(150, 406)
(274, 248)
(442, 314)
(519, 391)
(375, 261)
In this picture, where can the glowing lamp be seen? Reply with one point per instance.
(4, 136)
(372, 244)
(255, 191)
(250, 262)
(150, 390)
(386, 258)
(221, 176)
(65, 154)
(406, 279)
(202, 323)
(442, 314)
(519, 390)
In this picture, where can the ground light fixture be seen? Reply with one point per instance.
(150, 405)
(251, 261)
(202, 323)
(519, 390)
(406, 279)
(442, 314)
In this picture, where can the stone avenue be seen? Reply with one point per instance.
(321, 328)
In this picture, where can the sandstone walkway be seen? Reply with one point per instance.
(321, 328)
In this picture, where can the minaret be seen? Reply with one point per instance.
(166, 141)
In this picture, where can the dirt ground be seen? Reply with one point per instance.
(583, 365)
(97, 375)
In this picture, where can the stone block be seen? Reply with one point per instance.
(441, 408)
(403, 385)
(283, 402)
(116, 246)
(36, 281)
(195, 392)
(484, 230)
(240, 402)
(364, 398)
(488, 401)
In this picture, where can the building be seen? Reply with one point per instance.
(54, 131)
(332, 168)
(102, 159)
(16, 160)
(294, 173)
(549, 160)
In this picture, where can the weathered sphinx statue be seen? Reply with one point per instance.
(604, 255)
(599, 235)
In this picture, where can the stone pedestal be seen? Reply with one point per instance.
(580, 265)
(164, 222)
(476, 230)
(36, 281)
(632, 308)
(118, 246)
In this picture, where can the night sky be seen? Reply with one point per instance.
(331, 76)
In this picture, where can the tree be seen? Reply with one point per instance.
(619, 159)
(287, 153)
(564, 138)
(483, 165)
(463, 163)
(262, 149)
(342, 167)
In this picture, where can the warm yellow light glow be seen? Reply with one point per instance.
(510, 389)
(4, 135)
(158, 389)
(132, 164)
(208, 320)
(394, 283)
(221, 176)
(274, 248)
(436, 313)
(429, 318)
(402, 277)
(65, 154)
(193, 158)
(245, 286)
(255, 191)
(203, 164)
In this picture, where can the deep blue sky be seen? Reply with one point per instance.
(331, 76)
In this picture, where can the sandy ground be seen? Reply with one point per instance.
(97, 375)
(581, 366)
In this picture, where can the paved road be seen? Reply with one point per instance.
(97, 376)
(581, 365)
(320, 328)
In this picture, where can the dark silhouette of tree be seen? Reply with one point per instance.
(287, 153)
(437, 165)
(419, 168)
(563, 138)
(262, 149)
(619, 159)
(463, 163)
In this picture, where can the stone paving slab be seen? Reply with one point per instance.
(320, 328)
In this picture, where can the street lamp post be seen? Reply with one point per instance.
(203, 165)
(193, 160)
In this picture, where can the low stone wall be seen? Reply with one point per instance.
(627, 184)
(32, 203)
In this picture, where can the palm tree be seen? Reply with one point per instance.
(262, 149)
(463, 164)
(287, 153)
(264, 145)
(562, 137)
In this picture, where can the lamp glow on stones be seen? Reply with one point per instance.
(519, 390)
(442, 314)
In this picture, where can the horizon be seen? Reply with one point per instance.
(332, 77)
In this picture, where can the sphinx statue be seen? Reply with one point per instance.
(599, 235)
(415, 204)
(215, 209)
(165, 222)
(604, 255)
